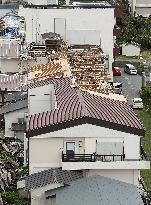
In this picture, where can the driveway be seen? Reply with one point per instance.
(131, 85)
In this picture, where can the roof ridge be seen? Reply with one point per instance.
(81, 99)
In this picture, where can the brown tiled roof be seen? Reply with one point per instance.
(55, 68)
(75, 107)
(51, 176)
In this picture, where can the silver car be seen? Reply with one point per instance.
(130, 69)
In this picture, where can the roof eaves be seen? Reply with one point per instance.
(85, 120)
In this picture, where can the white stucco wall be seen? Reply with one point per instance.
(51, 145)
(38, 195)
(12, 117)
(141, 7)
(100, 20)
(44, 95)
(130, 50)
(9, 65)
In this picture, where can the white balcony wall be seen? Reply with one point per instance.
(132, 147)
(90, 145)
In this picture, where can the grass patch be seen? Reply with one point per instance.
(145, 116)
(145, 54)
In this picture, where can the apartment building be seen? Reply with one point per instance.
(141, 7)
(80, 135)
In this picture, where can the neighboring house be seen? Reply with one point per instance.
(131, 49)
(11, 83)
(61, 187)
(83, 132)
(141, 7)
(15, 115)
(78, 24)
(12, 32)
(9, 55)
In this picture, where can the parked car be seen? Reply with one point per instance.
(137, 103)
(130, 69)
(116, 71)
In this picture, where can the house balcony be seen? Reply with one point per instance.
(95, 161)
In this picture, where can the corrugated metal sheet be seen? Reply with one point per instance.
(98, 190)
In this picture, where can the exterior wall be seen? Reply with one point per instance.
(141, 7)
(44, 95)
(100, 20)
(48, 155)
(51, 145)
(9, 65)
(130, 50)
(146, 12)
(38, 195)
(128, 176)
(132, 147)
(50, 152)
(12, 117)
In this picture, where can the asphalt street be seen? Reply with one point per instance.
(131, 85)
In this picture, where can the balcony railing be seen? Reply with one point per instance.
(91, 157)
(103, 158)
(78, 158)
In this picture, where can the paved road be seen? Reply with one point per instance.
(131, 85)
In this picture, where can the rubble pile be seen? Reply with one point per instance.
(88, 68)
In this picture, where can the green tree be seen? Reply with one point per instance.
(12, 198)
(146, 96)
(137, 30)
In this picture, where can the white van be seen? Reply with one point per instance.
(137, 103)
(130, 69)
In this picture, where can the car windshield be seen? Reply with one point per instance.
(132, 68)
(138, 101)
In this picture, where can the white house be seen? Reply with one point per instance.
(131, 49)
(84, 132)
(141, 7)
(15, 116)
(81, 132)
(78, 23)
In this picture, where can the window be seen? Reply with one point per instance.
(70, 147)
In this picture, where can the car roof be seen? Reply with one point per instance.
(137, 99)
(116, 68)
(130, 65)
